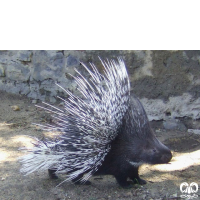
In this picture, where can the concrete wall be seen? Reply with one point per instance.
(167, 82)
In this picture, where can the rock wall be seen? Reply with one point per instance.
(167, 82)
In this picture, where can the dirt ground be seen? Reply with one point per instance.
(163, 181)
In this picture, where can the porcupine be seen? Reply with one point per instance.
(107, 133)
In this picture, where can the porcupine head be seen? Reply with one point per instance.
(107, 133)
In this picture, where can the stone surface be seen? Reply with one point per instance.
(179, 106)
(174, 124)
(24, 56)
(195, 131)
(17, 72)
(167, 82)
(2, 71)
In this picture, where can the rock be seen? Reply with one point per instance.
(24, 56)
(170, 125)
(72, 61)
(22, 87)
(34, 101)
(2, 71)
(195, 131)
(47, 65)
(17, 72)
(176, 107)
(181, 126)
(15, 108)
(174, 124)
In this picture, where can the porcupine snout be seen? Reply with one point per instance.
(167, 155)
(160, 154)
(166, 158)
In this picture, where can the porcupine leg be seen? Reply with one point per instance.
(135, 176)
(122, 180)
(52, 174)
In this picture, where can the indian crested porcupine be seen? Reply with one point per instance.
(106, 133)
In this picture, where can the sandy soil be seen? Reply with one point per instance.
(163, 181)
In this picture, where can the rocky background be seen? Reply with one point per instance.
(167, 82)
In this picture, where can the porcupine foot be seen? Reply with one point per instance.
(52, 174)
(134, 176)
(139, 181)
(128, 184)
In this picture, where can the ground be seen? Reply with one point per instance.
(17, 113)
